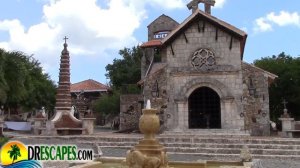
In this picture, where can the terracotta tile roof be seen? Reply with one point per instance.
(88, 86)
(151, 43)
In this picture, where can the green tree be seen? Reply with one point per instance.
(16, 76)
(23, 84)
(126, 70)
(14, 153)
(41, 89)
(286, 86)
(123, 74)
(108, 104)
(3, 84)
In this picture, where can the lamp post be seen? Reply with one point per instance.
(252, 90)
(155, 90)
(2, 111)
(77, 102)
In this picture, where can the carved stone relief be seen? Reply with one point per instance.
(203, 59)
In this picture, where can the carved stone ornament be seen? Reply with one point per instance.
(203, 59)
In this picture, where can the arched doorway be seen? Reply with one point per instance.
(204, 109)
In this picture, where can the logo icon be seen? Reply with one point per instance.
(15, 153)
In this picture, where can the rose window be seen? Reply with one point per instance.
(203, 57)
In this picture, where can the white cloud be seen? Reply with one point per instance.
(92, 29)
(262, 25)
(220, 3)
(284, 18)
(174, 4)
(168, 4)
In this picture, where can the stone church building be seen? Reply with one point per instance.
(194, 74)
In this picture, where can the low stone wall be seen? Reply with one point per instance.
(256, 104)
(130, 111)
(297, 125)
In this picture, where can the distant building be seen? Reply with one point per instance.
(84, 93)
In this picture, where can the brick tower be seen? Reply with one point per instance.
(63, 120)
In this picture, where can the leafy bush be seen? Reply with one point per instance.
(108, 104)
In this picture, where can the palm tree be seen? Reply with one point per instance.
(14, 153)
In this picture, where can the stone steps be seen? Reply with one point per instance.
(219, 147)
(187, 141)
(220, 154)
(222, 150)
(197, 145)
(195, 140)
(216, 156)
(209, 132)
(208, 145)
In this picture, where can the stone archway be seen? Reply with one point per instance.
(229, 114)
(204, 109)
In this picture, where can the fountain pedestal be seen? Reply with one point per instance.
(149, 152)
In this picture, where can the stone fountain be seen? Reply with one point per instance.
(149, 153)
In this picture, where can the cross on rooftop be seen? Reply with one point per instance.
(207, 5)
(284, 102)
(66, 38)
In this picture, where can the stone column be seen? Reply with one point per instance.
(227, 115)
(181, 116)
(38, 124)
(287, 124)
(88, 125)
(1, 126)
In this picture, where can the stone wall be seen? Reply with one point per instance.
(130, 111)
(224, 56)
(148, 55)
(208, 58)
(256, 106)
(162, 23)
(160, 102)
(223, 76)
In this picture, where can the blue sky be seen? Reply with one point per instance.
(98, 29)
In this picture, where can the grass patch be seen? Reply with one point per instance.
(3, 140)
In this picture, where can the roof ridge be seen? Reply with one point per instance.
(89, 84)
